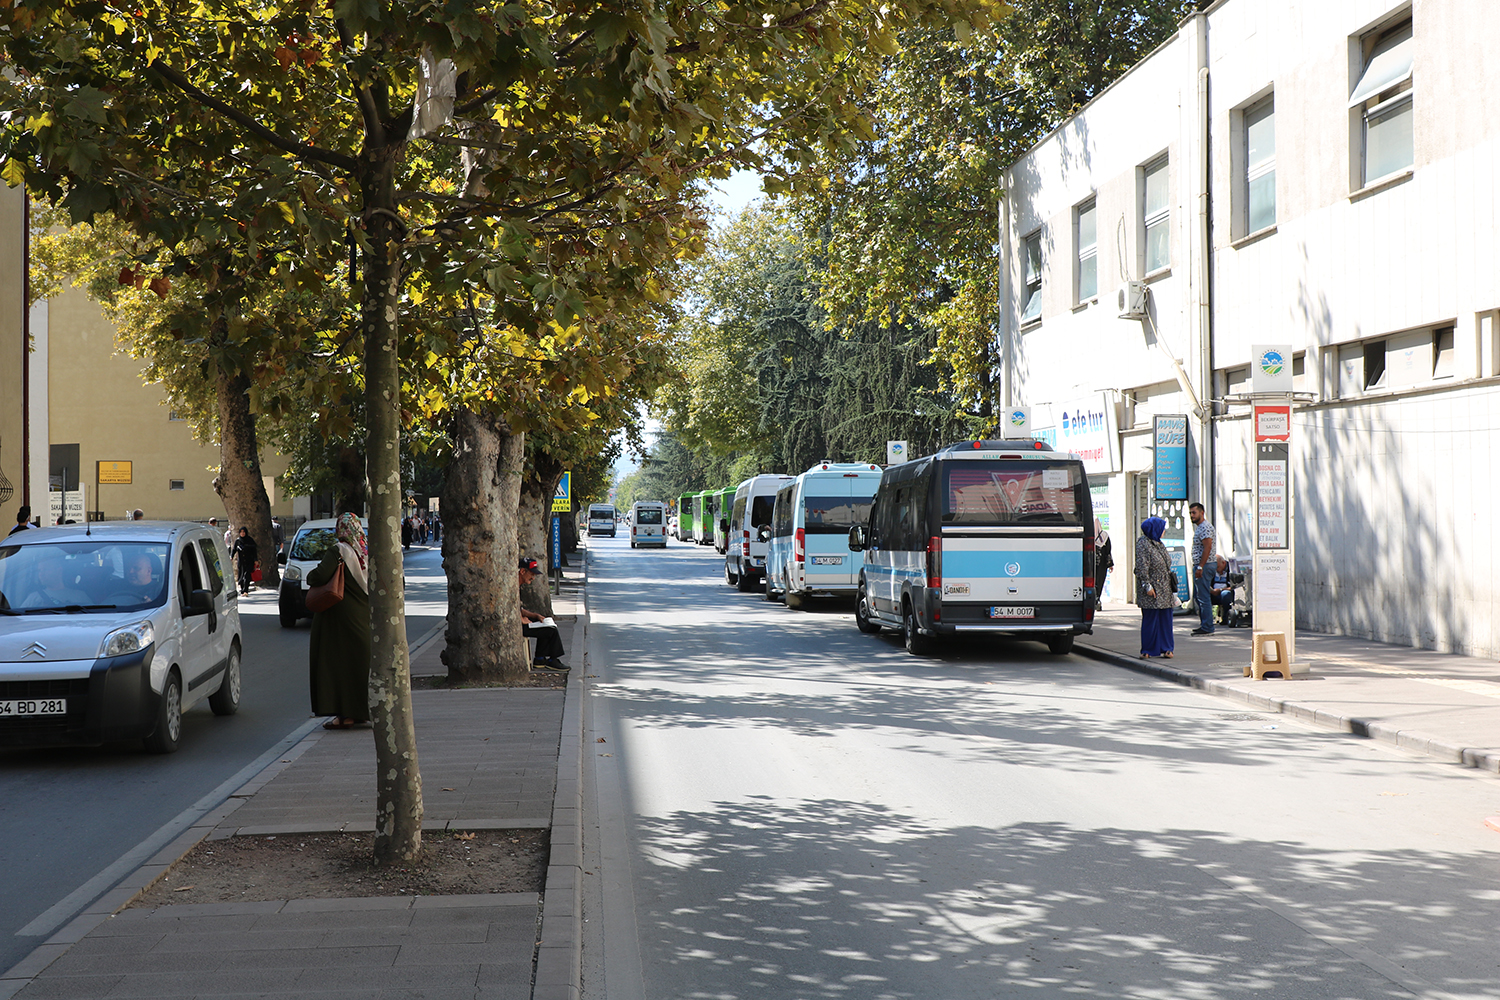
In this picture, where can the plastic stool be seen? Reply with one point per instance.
(1269, 654)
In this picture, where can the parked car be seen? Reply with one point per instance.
(312, 540)
(111, 631)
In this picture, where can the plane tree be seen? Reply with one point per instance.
(538, 145)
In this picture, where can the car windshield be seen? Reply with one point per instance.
(648, 515)
(70, 577)
(990, 493)
(835, 515)
(312, 543)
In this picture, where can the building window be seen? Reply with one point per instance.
(173, 415)
(1032, 249)
(176, 484)
(1157, 217)
(1442, 353)
(1383, 97)
(1088, 251)
(1374, 357)
(1260, 166)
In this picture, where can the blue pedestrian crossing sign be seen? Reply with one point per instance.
(562, 500)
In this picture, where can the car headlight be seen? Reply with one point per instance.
(131, 639)
(292, 573)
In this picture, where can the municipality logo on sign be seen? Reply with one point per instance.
(1018, 418)
(897, 447)
(1272, 362)
(1012, 569)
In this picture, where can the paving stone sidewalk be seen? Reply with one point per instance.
(1441, 704)
(497, 749)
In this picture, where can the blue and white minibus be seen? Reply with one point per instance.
(984, 536)
(808, 554)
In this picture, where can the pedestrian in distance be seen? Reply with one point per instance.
(1104, 556)
(245, 552)
(339, 648)
(278, 536)
(1154, 593)
(1203, 555)
(23, 520)
(139, 515)
(549, 647)
(406, 532)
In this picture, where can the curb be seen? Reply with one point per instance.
(1482, 758)
(559, 958)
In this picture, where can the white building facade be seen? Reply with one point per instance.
(1277, 172)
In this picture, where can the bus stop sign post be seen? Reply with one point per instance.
(1274, 583)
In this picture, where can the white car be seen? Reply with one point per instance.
(111, 631)
(302, 557)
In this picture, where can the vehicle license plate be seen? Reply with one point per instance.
(34, 706)
(1012, 612)
(828, 560)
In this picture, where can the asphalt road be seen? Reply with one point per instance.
(784, 808)
(71, 819)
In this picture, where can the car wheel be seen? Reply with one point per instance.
(862, 618)
(745, 583)
(288, 617)
(766, 580)
(168, 732)
(1061, 644)
(794, 600)
(917, 644)
(729, 576)
(226, 700)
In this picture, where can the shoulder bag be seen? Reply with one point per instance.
(326, 595)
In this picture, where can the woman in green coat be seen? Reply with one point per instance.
(339, 651)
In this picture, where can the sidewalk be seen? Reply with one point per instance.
(491, 758)
(1440, 704)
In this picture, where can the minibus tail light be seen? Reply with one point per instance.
(799, 551)
(935, 562)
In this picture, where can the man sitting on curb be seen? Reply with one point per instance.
(549, 647)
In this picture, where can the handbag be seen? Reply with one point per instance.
(326, 595)
(1172, 582)
(255, 573)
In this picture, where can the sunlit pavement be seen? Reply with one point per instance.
(787, 808)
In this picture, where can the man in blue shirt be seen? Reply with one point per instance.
(1203, 554)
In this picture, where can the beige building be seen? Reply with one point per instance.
(13, 358)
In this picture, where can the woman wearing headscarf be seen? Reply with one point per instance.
(1104, 556)
(339, 651)
(1153, 592)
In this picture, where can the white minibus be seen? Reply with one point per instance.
(808, 554)
(648, 524)
(745, 561)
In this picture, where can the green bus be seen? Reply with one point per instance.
(722, 511)
(685, 517)
(703, 517)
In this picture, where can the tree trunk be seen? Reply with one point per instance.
(398, 782)
(535, 531)
(481, 492)
(239, 482)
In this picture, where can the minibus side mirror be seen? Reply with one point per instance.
(763, 532)
(857, 538)
(724, 525)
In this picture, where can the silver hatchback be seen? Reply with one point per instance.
(112, 631)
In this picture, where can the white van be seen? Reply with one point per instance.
(648, 524)
(601, 519)
(754, 499)
(808, 554)
(984, 536)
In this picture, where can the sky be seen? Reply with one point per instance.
(728, 197)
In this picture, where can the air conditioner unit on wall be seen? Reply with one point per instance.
(1131, 298)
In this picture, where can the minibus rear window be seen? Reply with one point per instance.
(648, 515)
(1013, 493)
(835, 515)
(760, 510)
